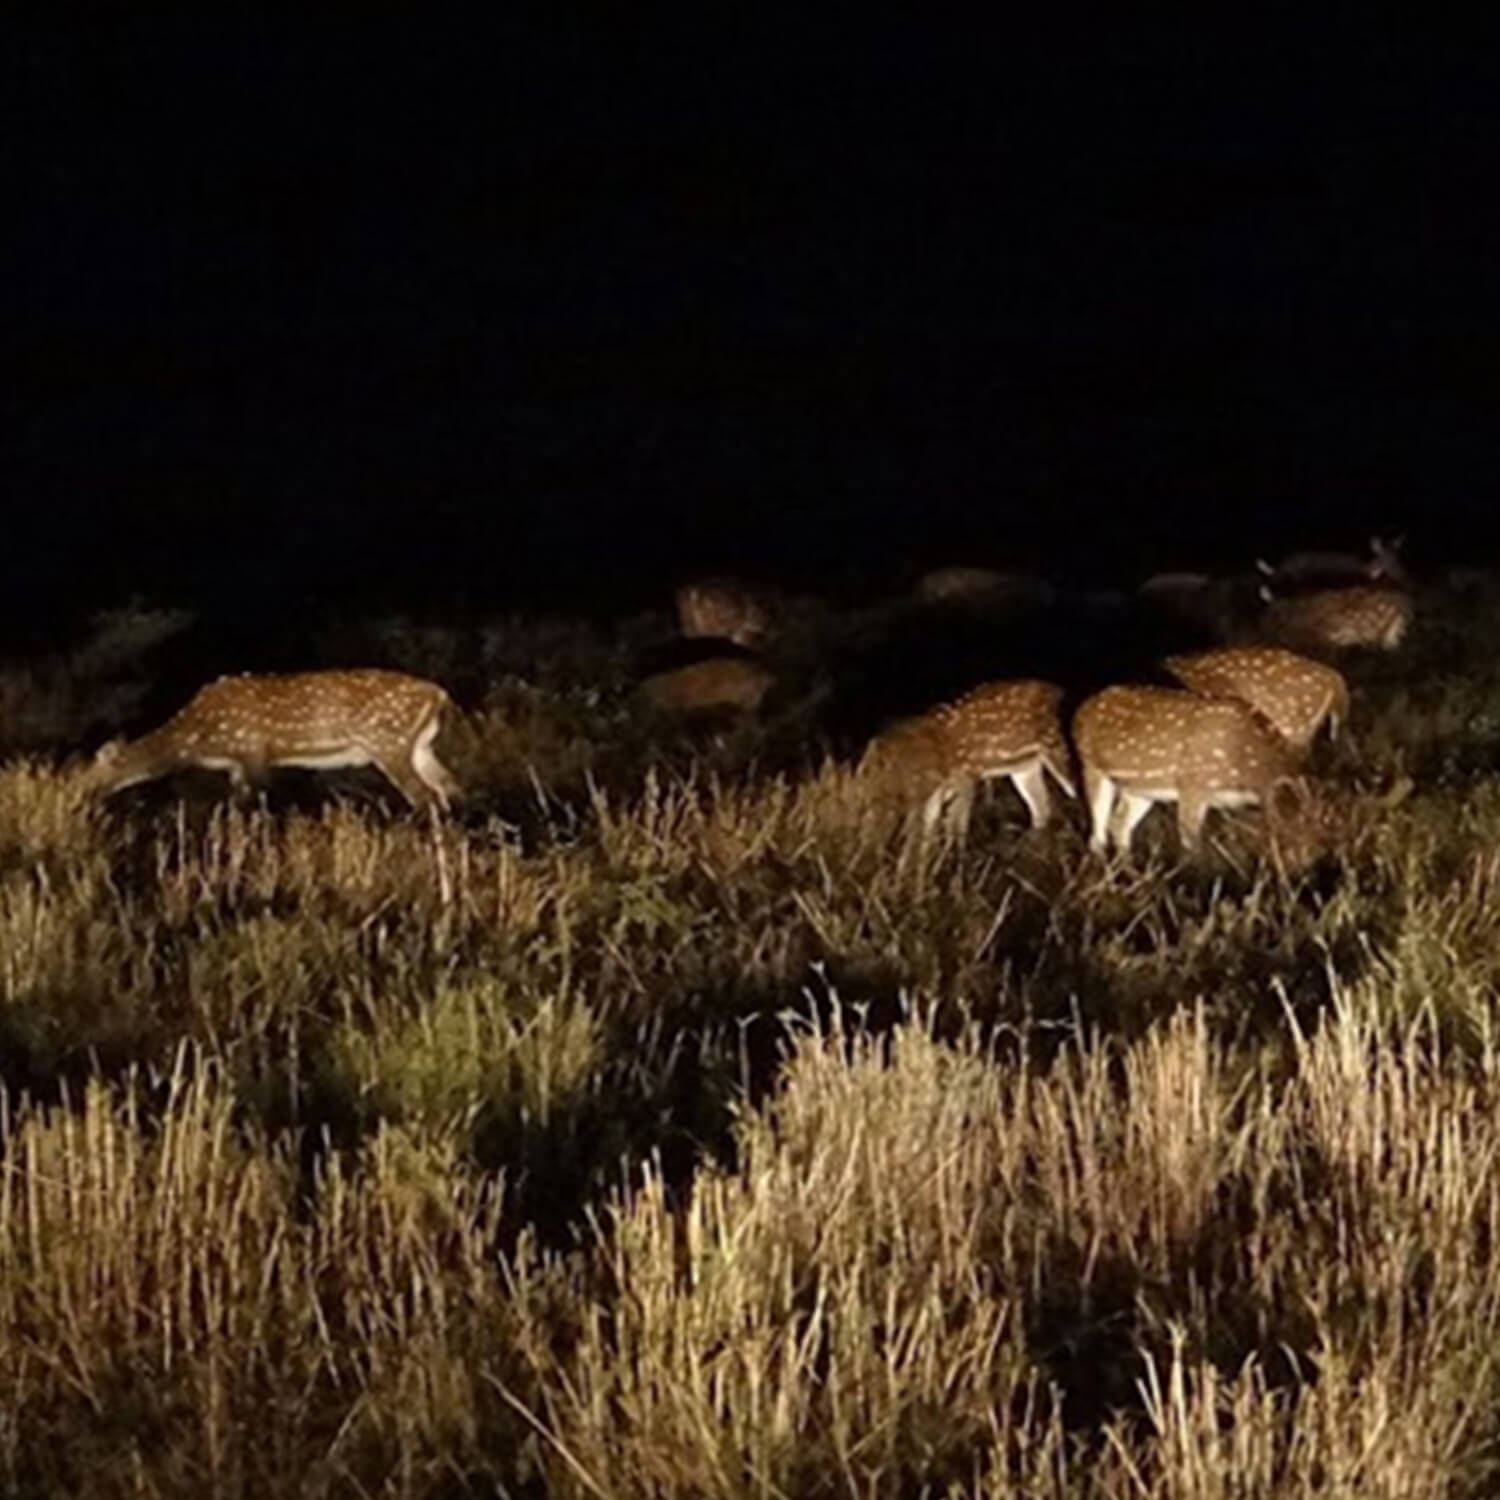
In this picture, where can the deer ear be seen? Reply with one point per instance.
(108, 754)
(1265, 567)
(1266, 595)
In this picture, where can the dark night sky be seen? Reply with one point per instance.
(422, 309)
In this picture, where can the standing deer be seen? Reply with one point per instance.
(1332, 619)
(1007, 730)
(1328, 569)
(1295, 696)
(724, 609)
(1145, 745)
(319, 720)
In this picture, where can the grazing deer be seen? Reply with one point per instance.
(723, 609)
(721, 684)
(1338, 618)
(1295, 696)
(318, 720)
(1146, 745)
(1002, 729)
(1328, 569)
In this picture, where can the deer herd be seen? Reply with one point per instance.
(1237, 731)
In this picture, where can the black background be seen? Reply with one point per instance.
(469, 314)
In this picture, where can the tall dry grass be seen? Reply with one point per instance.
(673, 1125)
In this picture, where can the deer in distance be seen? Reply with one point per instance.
(1010, 730)
(720, 684)
(1143, 745)
(722, 609)
(1335, 619)
(1303, 570)
(983, 588)
(247, 724)
(1295, 696)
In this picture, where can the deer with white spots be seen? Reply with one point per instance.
(322, 721)
(1010, 730)
(723, 609)
(1329, 569)
(1295, 696)
(1144, 745)
(1334, 619)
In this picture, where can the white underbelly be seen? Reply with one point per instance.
(324, 760)
(1009, 768)
(1233, 797)
(1227, 797)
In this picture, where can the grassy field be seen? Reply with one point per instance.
(669, 1124)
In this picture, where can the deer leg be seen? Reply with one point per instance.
(1057, 766)
(432, 772)
(244, 780)
(1031, 783)
(399, 772)
(1132, 810)
(932, 811)
(960, 808)
(1192, 809)
(1100, 791)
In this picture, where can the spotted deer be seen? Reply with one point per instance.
(1144, 745)
(324, 721)
(1328, 569)
(1335, 619)
(1295, 696)
(1009, 730)
(722, 609)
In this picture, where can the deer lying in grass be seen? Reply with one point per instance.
(1007, 730)
(720, 684)
(722, 609)
(324, 721)
(1334, 619)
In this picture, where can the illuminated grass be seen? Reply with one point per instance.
(672, 1124)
